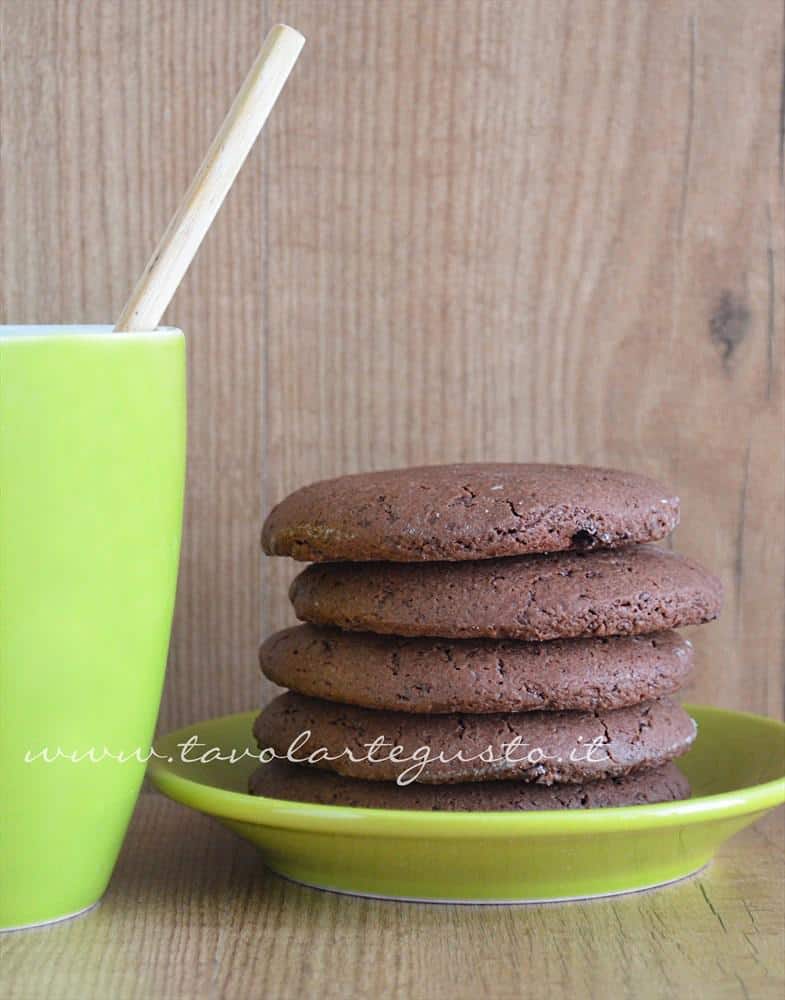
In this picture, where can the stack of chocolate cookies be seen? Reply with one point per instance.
(481, 637)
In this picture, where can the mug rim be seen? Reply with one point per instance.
(25, 331)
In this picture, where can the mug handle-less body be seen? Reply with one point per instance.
(92, 466)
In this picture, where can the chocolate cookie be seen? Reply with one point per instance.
(457, 512)
(543, 747)
(627, 591)
(281, 780)
(475, 675)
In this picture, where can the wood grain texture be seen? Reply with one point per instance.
(521, 229)
(191, 912)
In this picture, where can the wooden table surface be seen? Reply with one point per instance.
(191, 912)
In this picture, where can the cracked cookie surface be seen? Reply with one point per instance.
(475, 675)
(468, 511)
(281, 780)
(630, 591)
(550, 747)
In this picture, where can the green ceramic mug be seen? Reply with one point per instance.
(92, 460)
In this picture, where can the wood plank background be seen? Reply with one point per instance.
(473, 230)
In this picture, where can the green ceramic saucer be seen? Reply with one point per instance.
(736, 767)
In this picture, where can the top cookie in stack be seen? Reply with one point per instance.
(465, 606)
(461, 512)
